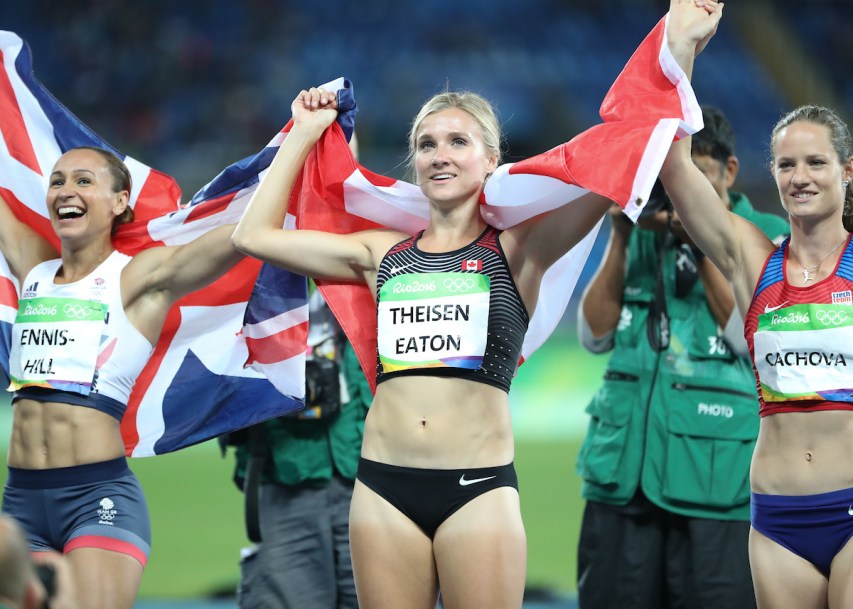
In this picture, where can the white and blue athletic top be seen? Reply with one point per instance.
(72, 343)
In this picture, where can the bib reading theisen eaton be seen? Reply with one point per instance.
(802, 351)
(55, 343)
(430, 320)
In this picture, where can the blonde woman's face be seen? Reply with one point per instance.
(451, 160)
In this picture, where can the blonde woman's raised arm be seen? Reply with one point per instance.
(260, 233)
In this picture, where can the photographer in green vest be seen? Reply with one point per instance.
(297, 473)
(665, 462)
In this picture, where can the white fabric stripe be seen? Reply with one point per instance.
(287, 376)
(138, 176)
(8, 314)
(401, 206)
(279, 323)
(690, 109)
(650, 164)
(503, 192)
(173, 229)
(290, 221)
(28, 186)
(556, 290)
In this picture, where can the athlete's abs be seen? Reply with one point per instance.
(804, 453)
(438, 423)
(52, 434)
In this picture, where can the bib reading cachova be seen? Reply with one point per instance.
(802, 351)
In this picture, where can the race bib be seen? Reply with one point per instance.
(802, 353)
(55, 343)
(430, 320)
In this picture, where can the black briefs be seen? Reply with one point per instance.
(428, 497)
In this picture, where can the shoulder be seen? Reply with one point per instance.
(771, 224)
(381, 240)
(139, 269)
(145, 260)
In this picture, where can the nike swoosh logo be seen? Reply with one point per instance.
(464, 482)
(768, 308)
(396, 269)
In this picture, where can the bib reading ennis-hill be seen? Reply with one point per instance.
(55, 343)
(801, 353)
(429, 320)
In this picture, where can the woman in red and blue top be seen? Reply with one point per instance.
(797, 302)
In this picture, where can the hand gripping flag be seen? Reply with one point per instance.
(650, 104)
(194, 386)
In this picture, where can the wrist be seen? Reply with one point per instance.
(308, 132)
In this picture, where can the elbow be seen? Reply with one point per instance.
(241, 242)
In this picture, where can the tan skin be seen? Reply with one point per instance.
(17, 571)
(796, 453)
(54, 434)
(479, 553)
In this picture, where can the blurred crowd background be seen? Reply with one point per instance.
(189, 87)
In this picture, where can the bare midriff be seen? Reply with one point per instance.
(804, 453)
(53, 434)
(438, 423)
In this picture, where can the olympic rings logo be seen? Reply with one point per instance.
(459, 284)
(831, 318)
(75, 311)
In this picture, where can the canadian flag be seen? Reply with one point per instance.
(472, 265)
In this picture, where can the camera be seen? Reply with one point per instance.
(46, 574)
(322, 388)
(658, 201)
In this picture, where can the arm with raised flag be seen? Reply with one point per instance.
(261, 233)
(158, 277)
(22, 247)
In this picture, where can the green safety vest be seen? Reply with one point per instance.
(681, 423)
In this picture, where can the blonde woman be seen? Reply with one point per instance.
(436, 500)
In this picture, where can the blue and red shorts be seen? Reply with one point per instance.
(97, 505)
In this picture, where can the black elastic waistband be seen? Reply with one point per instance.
(96, 401)
(57, 477)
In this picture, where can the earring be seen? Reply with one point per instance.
(844, 184)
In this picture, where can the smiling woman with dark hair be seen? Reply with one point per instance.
(88, 319)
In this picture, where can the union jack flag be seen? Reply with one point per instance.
(194, 386)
